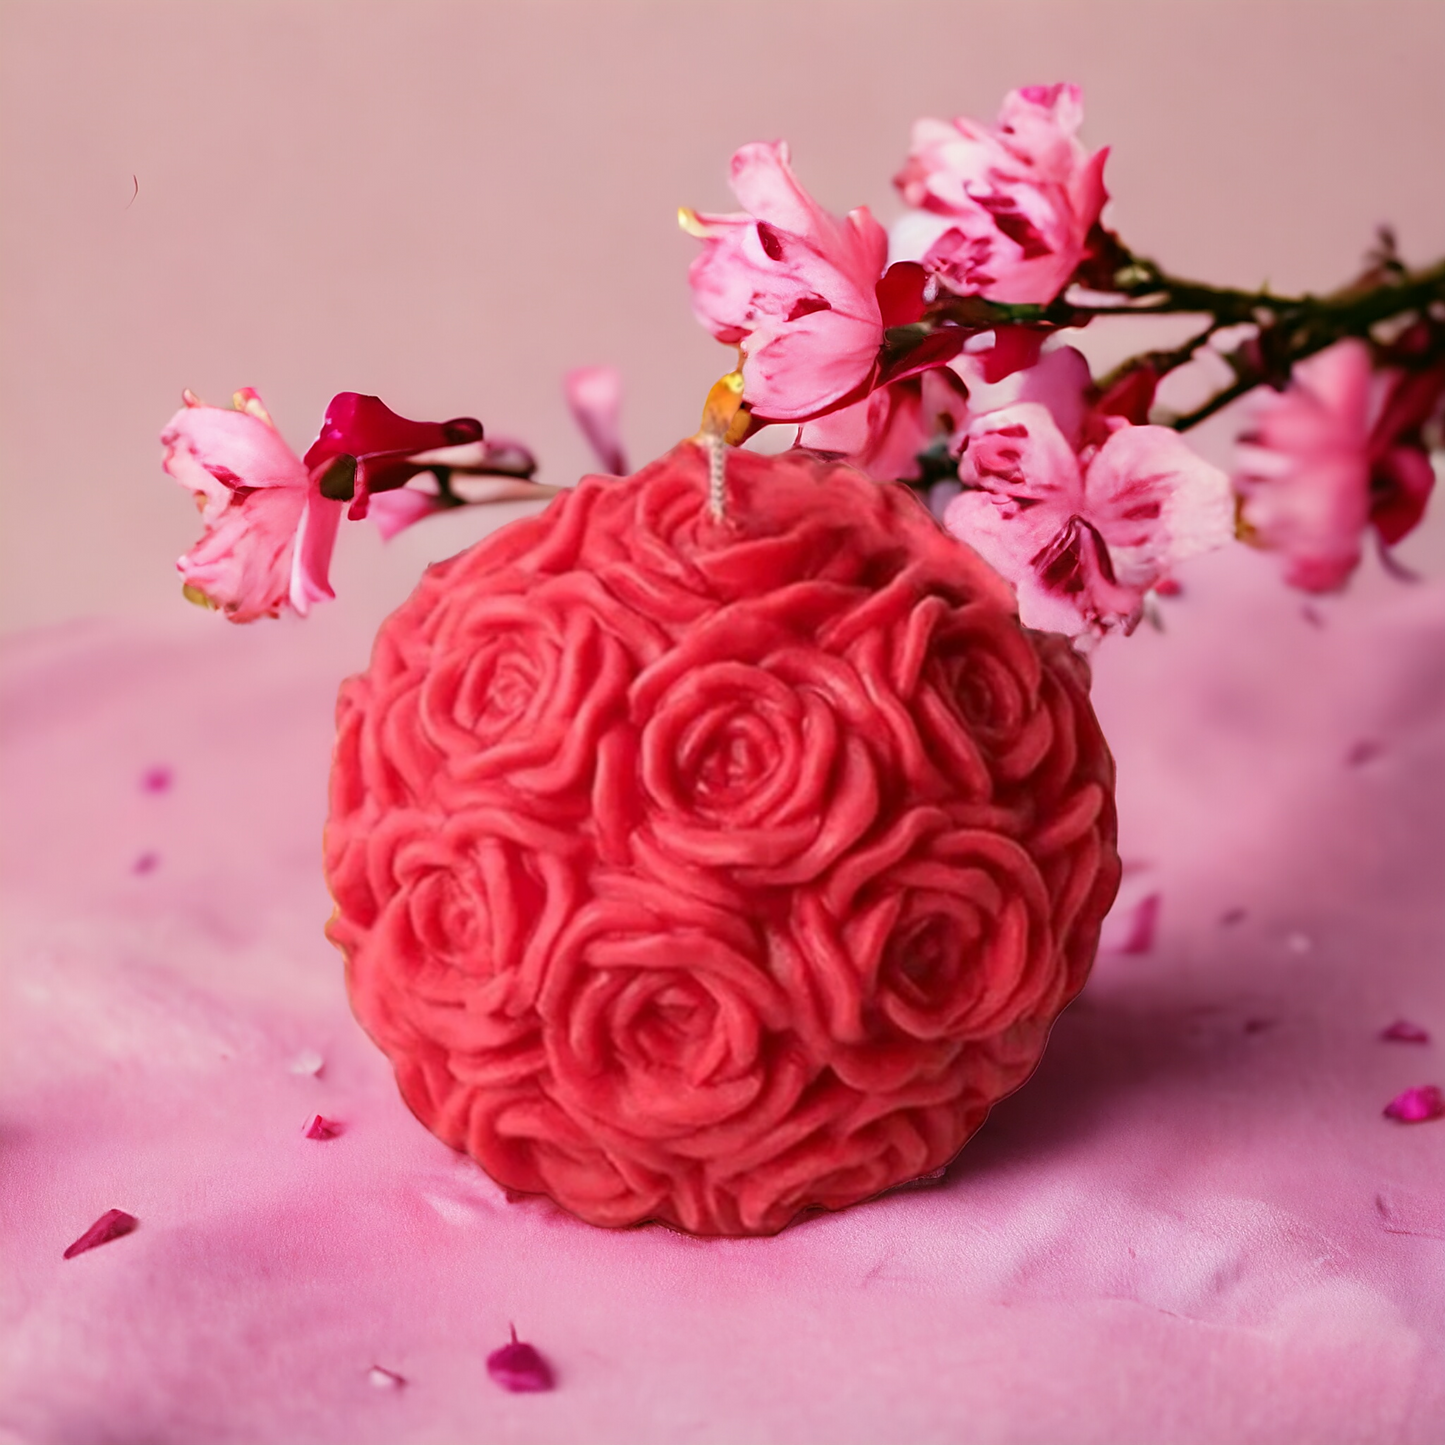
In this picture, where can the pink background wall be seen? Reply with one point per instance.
(449, 204)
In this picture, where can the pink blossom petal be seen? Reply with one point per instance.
(793, 286)
(157, 780)
(1132, 932)
(594, 393)
(519, 1367)
(393, 512)
(383, 1379)
(1417, 1106)
(307, 1062)
(1156, 503)
(1006, 211)
(1402, 1031)
(111, 1225)
(318, 1127)
(1304, 469)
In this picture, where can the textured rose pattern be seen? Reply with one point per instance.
(707, 872)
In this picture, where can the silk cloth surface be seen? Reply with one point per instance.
(1193, 1224)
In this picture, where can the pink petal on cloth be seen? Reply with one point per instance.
(1402, 1031)
(157, 780)
(520, 1368)
(113, 1224)
(383, 1379)
(1132, 932)
(318, 1127)
(594, 393)
(1417, 1106)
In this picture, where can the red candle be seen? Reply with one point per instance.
(709, 870)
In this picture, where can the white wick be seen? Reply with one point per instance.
(717, 476)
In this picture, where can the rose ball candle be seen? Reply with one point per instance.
(708, 869)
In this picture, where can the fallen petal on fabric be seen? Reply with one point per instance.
(1132, 932)
(1402, 1031)
(1416, 1106)
(113, 1224)
(519, 1367)
(384, 1379)
(308, 1061)
(318, 1127)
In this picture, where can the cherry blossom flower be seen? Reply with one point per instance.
(790, 285)
(1336, 452)
(271, 517)
(1084, 525)
(269, 530)
(1004, 212)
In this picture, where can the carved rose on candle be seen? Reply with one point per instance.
(706, 871)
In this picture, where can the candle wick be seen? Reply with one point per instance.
(717, 464)
(724, 416)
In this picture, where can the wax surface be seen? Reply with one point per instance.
(711, 870)
(1192, 1225)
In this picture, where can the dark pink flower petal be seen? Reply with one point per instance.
(111, 1225)
(1416, 1106)
(1132, 932)
(366, 448)
(157, 780)
(318, 1127)
(1402, 1031)
(519, 1367)
(594, 393)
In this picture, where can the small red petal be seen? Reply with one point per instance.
(157, 780)
(1402, 1031)
(519, 1367)
(111, 1225)
(1416, 1106)
(1133, 933)
(321, 1128)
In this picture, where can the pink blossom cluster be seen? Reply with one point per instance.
(1065, 488)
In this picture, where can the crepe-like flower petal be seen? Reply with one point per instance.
(1336, 452)
(792, 286)
(1003, 212)
(1083, 535)
(594, 393)
(269, 531)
